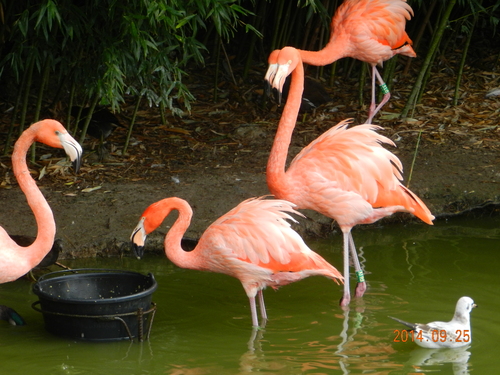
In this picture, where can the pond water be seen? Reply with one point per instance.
(202, 326)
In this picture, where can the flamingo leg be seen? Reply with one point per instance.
(253, 310)
(346, 298)
(361, 286)
(263, 313)
(374, 109)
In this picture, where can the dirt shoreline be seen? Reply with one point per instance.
(99, 222)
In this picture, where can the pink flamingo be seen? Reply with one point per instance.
(344, 174)
(17, 260)
(253, 242)
(372, 31)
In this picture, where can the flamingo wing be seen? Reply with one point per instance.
(351, 167)
(258, 232)
(354, 159)
(376, 28)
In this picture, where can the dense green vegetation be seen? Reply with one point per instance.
(91, 52)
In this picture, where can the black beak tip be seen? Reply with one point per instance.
(267, 88)
(138, 251)
(280, 95)
(77, 163)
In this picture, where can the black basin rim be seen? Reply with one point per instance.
(38, 288)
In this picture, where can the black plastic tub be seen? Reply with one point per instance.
(96, 304)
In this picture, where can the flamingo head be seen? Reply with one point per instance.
(53, 134)
(151, 219)
(281, 64)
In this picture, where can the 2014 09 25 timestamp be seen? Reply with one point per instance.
(403, 335)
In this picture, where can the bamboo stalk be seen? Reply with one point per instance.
(38, 108)
(276, 31)
(43, 84)
(462, 61)
(162, 114)
(420, 33)
(132, 122)
(418, 87)
(217, 70)
(71, 129)
(414, 159)
(93, 104)
(29, 78)
(19, 96)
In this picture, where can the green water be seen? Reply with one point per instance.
(202, 326)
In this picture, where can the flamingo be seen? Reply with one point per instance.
(50, 258)
(15, 260)
(253, 242)
(345, 174)
(372, 31)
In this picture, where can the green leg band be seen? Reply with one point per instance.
(384, 88)
(360, 276)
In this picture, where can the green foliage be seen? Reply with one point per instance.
(111, 48)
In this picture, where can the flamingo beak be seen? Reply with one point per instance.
(271, 72)
(275, 77)
(269, 77)
(72, 149)
(138, 239)
(280, 76)
(138, 251)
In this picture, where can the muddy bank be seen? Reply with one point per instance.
(96, 218)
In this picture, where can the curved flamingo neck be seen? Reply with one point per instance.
(173, 248)
(333, 51)
(37, 202)
(275, 173)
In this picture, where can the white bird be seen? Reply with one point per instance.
(452, 334)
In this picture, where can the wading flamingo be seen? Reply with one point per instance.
(372, 31)
(15, 260)
(253, 242)
(344, 174)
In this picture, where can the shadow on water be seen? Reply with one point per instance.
(203, 326)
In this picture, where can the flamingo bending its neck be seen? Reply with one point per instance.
(372, 31)
(253, 242)
(345, 174)
(15, 260)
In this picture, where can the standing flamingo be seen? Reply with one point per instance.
(372, 31)
(15, 260)
(253, 242)
(344, 174)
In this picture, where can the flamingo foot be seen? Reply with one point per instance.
(361, 286)
(345, 300)
(360, 289)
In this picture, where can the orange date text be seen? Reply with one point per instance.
(435, 336)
